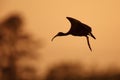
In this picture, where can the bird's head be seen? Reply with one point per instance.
(58, 34)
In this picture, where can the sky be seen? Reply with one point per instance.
(45, 18)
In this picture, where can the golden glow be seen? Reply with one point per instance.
(45, 18)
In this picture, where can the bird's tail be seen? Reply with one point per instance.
(92, 35)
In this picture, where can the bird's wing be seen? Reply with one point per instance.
(76, 25)
(88, 43)
(73, 21)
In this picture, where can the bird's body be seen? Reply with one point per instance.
(77, 29)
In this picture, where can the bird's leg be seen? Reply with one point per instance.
(88, 43)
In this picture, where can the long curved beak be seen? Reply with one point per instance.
(92, 35)
(53, 37)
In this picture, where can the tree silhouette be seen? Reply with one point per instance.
(65, 71)
(14, 45)
(73, 71)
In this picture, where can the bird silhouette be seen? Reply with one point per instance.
(78, 29)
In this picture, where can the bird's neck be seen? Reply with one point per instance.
(65, 34)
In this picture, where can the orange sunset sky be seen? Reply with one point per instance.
(45, 18)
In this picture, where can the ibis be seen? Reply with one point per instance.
(78, 29)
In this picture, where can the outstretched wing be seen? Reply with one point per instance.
(78, 27)
(74, 22)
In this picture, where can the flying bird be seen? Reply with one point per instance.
(78, 29)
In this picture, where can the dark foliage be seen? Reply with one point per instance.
(68, 71)
(14, 45)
